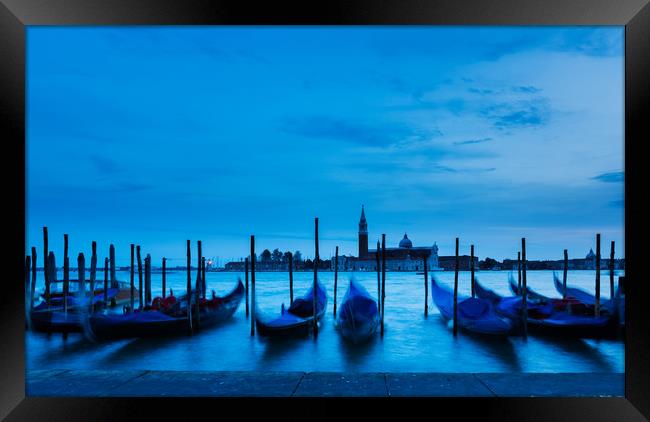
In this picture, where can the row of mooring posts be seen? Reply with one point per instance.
(200, 286)
(144, 275)
(612, 255)
(250, 309)
(49, 268)
(50, 272)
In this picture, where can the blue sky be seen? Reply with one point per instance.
(155, 135)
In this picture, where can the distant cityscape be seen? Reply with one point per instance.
(406, 257)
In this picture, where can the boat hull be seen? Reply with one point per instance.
(154, 323)
(474, 315)
(298, 320)
(358, 317)
(551, 317)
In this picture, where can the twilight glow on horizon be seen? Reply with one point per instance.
(155, 135)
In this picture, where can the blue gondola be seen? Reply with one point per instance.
(298, 320)
(612, 306)
(549, 316)
(168, 322)
(530, 294)
(54, 319)
(358, 317)
(475, 315)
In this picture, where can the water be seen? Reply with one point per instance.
(411, 343)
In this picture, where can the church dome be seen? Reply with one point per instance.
(405, 242)
(591, 254)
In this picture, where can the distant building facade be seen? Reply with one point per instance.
(404, 257)
(586, 263)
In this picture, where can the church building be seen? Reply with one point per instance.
(404, 257)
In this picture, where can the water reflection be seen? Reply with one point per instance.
(354, 355)
(500, 349)
(579, 347)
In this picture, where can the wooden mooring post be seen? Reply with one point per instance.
(290, 278)
(315, 288)
(471, 265)
(426, 288)
(106, 264)
(140, 289)
(246, 278)
(378, 259)
(197, 293)
(383, 281)
(66, 274)
(519, 271)
(51, 268)
(46, 274)
(189, 286)
(597, 304)
(565, 272)
(81, 271)
(147, 280)
(111, 257)
(524, 293)
(611, 272)
(204, 287)
(132, 270)
(93, 277)
(32, 291)
(253, 259)
(456, 268)
(164, 277)
(336, 276)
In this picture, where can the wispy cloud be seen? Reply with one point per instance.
(473, 141)
(518, 114)
(526, 89)
(600, 42)
(481, 91)
(357, 132)
(611, 177)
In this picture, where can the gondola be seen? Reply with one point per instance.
(55, 319)
(167, 317)
(119, 295)
(298, 320)
(358, 317)
(550, 316)
(475, 315)
(575, 305)
(517, 291)
(615, 305)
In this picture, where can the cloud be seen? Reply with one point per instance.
(357, 132)
(518, 114)
(526, 89)
(481, 91)
(611, 177)
(599, 42)
(473, 141)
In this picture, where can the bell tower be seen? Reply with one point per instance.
(363, 235)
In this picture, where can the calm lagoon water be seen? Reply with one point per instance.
(411, 342)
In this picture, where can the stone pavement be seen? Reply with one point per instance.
(142, 383)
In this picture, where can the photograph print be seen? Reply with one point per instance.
(325, 211)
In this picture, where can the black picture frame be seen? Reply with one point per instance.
(15, 15)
